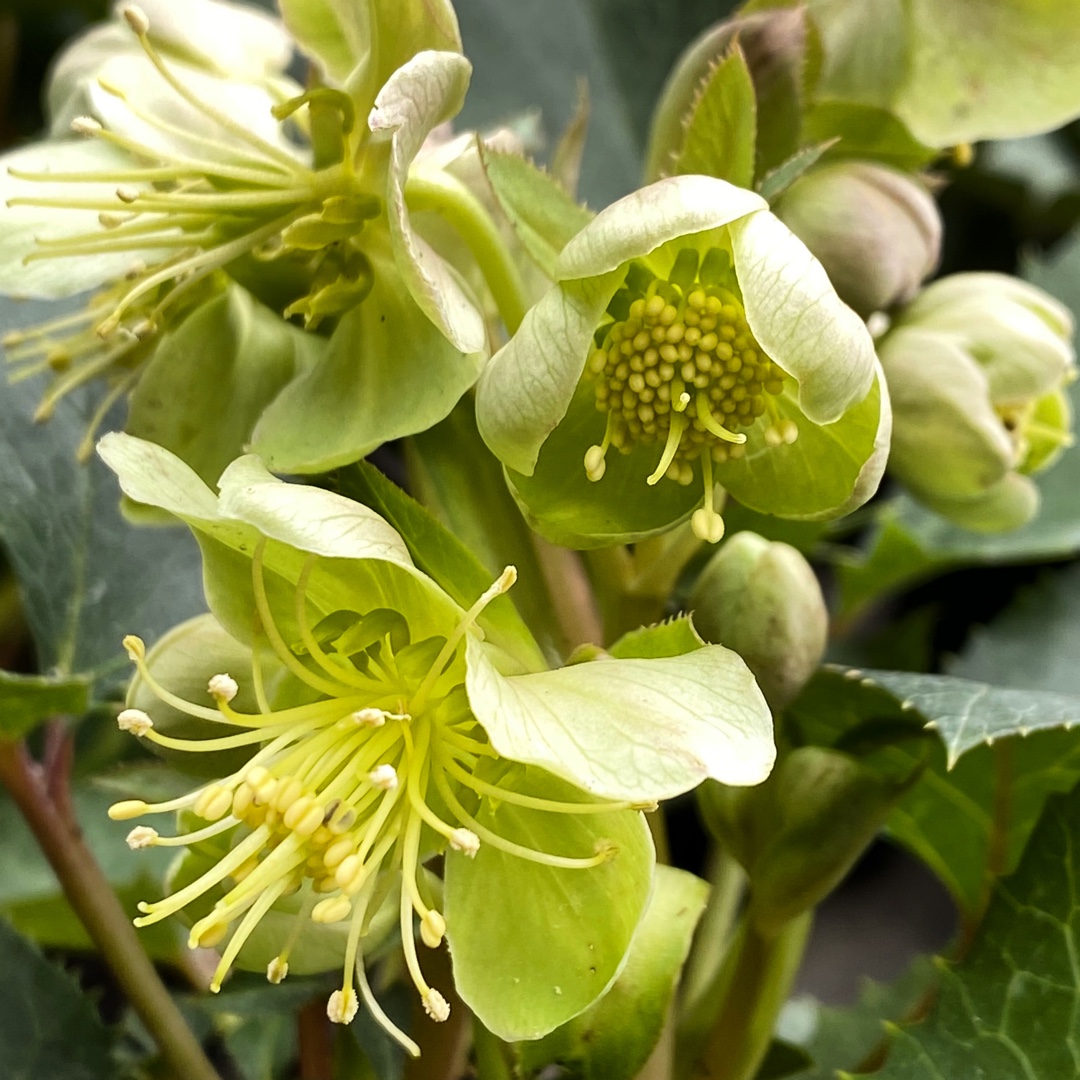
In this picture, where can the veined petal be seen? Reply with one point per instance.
(630, 729)
(526, 387)
(22, 226)
(129, 84)
(425, 92)
(948, 441)
(795, 314)
(651, 216)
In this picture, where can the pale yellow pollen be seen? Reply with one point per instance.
(384, 777)
(342, 1006)
(142, 836)
(223, 687)
(276, 970)
(465, 841)
(135, 721)
(436, 1006)
(85, 125)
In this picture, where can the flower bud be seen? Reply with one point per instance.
(876, 231)
(762, 599)
(976, 368)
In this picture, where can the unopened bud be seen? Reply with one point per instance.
(876, 231)
(762, 600)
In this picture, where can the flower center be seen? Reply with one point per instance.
(334, 803)
(679, 365)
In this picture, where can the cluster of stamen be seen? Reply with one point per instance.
(678, 364)
(231, 193)
(338, 791)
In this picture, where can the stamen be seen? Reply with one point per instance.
(184, 839)
(496, 841)
(707, 524)
(706, 417)
(252, 919)
(135, 721)
(679, 424)
(596, 456)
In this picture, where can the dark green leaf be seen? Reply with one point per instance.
(26, 700)
(721, 127)
(776, 182)
(48, 1028)
(86, 576)
(1009, 1009)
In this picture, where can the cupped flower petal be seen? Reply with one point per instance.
(798, 319)
(426, 91)
(704, 331)
(631, 729)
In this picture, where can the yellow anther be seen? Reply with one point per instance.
(432, 929)
(214, 803)
(287, 792)
(213, 935)
(595, 463)
(127, 809)
(348, 871)
(302, 809)
(333, 910)
(243, 798)
(136, 18)
(707, 525)
(135, 647)
(276, 970)
(338, 850)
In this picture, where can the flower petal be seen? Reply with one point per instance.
(423, 93)
(651, 216)
(526, 387)
(798, 319)
(630, 729)
(21, 226)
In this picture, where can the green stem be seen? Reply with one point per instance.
(90, 895)
(490, 1053)
(457, 205)
(756, 980)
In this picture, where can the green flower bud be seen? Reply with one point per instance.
(976, 369)
(762, 600)
(876, 231)
(800, 832)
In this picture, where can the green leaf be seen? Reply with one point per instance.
(387, 372)
(968, 823)
(48, 1027)
(842, 1037)
(675, 637)
(1008, 1010)
(721, 127)
(1034, 643)
(26, 700)
(86, 577)
(442, 556)
(775, 182)
(535, 945)
(865, 132)
(613, 1039)
(209, 380)
(543, 215)
(639, 730)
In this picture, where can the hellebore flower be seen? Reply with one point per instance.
(372, 722)
(976, 367)
(876, 231)
(187, 170)
(692, 333)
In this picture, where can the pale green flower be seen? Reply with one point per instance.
(372, 722)
(976, 367)
(692, 333)
(194, 158)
